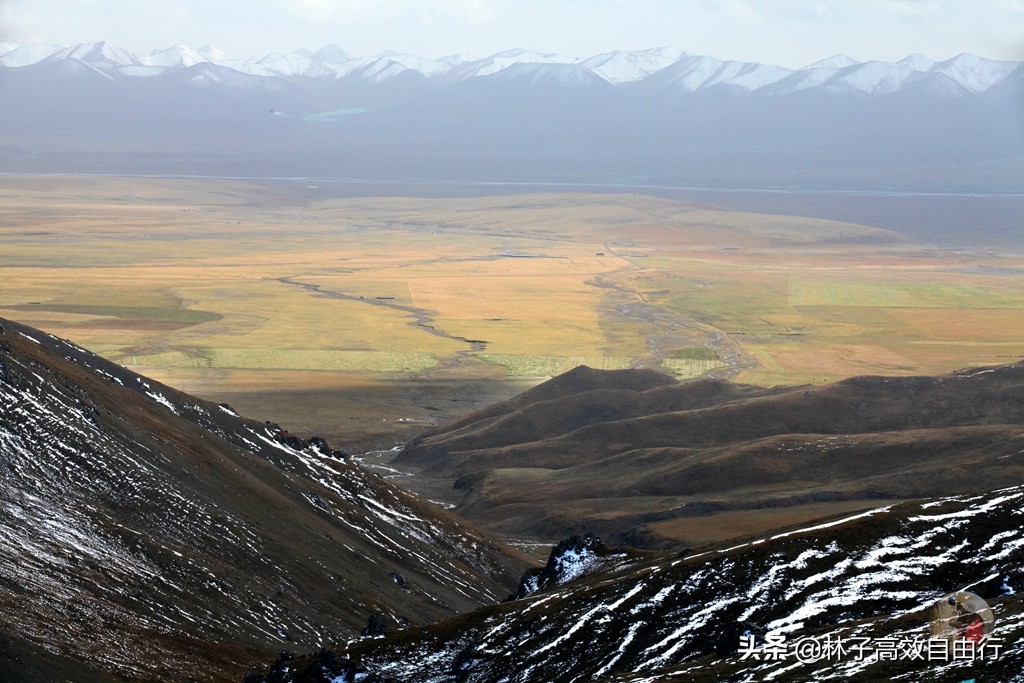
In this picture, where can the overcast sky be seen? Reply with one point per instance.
(790, 33)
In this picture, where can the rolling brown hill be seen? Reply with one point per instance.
(148, 535)
(636, 457)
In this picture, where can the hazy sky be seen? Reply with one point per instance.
(785, 32)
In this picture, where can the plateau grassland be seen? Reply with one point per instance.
(317, 311)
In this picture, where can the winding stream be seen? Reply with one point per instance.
(421, 318)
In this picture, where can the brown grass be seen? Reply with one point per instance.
(195, 272)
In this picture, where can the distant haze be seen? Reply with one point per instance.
(647, 120)
(791, 33)
(640, 119)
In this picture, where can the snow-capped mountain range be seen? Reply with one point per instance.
(658, 116)
(668, 66)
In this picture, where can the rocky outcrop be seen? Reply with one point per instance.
(570, 559)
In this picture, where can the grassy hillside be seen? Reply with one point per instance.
(637, 458)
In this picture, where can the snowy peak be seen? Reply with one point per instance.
(834, 62)
(503, 60)
(26, 55)
(426, 67)
(664, 67)
(381, 69)
(691, 73)
(176, 56)
(544, 75)
(917, 62)
(102, 55)
(455, 59)
(756, 76)
(626, 67)
(208, 75)
(213, 54)
(871, 77)
(330, 54)
(975, 73)
(294, 64)
(694, 72)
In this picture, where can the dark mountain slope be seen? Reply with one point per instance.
(859, 580)
(147, 534)
(663, 462)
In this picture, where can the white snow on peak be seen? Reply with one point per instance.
(208, 74)
(427, 67)
(32, 53)
(250, 67)
(383, 70)
(456, 59)
(871, 77)
(374, 69)
(378, 70)
(838, 61)
(616, 67)
(330, 54)
(573, 563)
(755, 76)
(975, 73)
(666, 55)
(667, 66)
(294, 64)
(213, 54)
(917, 62)
(804, 79)
(694, 72)
(208, 54)
(627, 67)
(549, 74)
(102, 55)
(178, 55)
(379, 67)
(503, 60)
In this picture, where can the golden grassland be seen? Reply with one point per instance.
(227, 286)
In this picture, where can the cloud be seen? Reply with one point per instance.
(743, 11)
(169, 7)
(912, 9)
(354, 11)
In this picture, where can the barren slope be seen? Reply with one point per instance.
(153, 536)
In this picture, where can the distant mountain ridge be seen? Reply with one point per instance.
(687, 72)
(657, 117)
